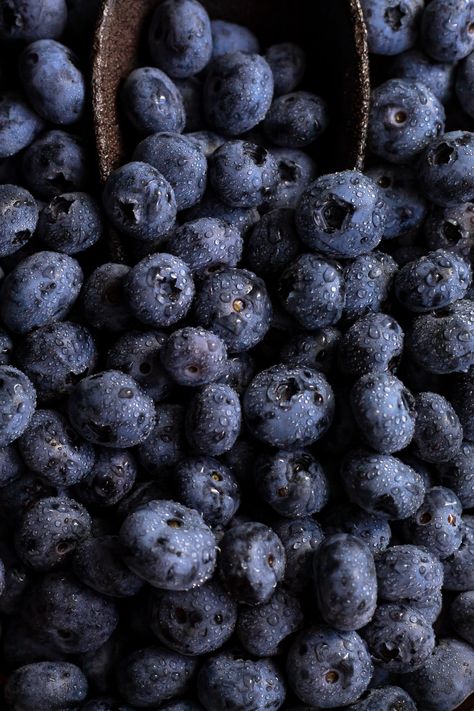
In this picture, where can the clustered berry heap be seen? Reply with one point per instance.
(237, 471)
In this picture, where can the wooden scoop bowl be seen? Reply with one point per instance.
(331, 31)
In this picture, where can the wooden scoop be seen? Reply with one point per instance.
(332, 32)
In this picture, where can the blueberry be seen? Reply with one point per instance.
(433, 281)
(194, 622)
(55, 163)
(52, 81)
(241, 218)
(416, 65)
(288, 64)
(368, 279)
(50, 448)
(168, 545)
(450, 228)
(191, 94)
(180, 39)
(406, 208)
(109, 408)
(342, 214)
(166, 444)
(399, 638)
(105, 704)
(296, 171)
(17, 404)
(6, 348)
(16, 577)
(384, 410)
(213, 419)
(407, 572)
(152, 102)
(272, 243)
(46, 686)
(404, 117)
(111, 478)
(11, 466)
(437, 525)
(442, 342)
(18, 495)
(238, 372)
(429, 606)
(238, 91)
(345, 582)
(458, 474)
(139, 201)
(447, 677)
(194, 356)
(328, 667)
(315, 349)
(104, 303)
(50, 530)
(392, 26)
(205, 244)
(257, 628)
(235, 305)
(292, 482)
(461, 396)
(19, 124)
(300, 538)
(286, 406)
(446, 168)
(384, 699)
(98, 564)
(40, 290)
(459, 566)
(151, 675)
(438, 432)
(229, 37)
(372, 345)
(180, 161)
(382, 484)
(71, 223)
(228, 681)
(446, 29)
(311, 289)
(296, 120)
(464, 84)
(252, 562)
(372, 529)
(138, 354)
(159, 290)
(242, 174)
(210, 487)
(69, 615)
(461, 613)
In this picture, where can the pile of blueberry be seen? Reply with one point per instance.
(237, 472)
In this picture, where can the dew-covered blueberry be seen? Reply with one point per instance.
(139, 201)
(341, 215)
(180, 161)
(39, 290)
(194, 622)
(382, 484)
(49, 531)
(19, 124)
(180, 38)
(152, 102)
(159, 289)
(51, 448)
(168, 545)
(71, 223)
(110, 409)
(238, 91)
(213, 419)
(285, 406)
(18, 218)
